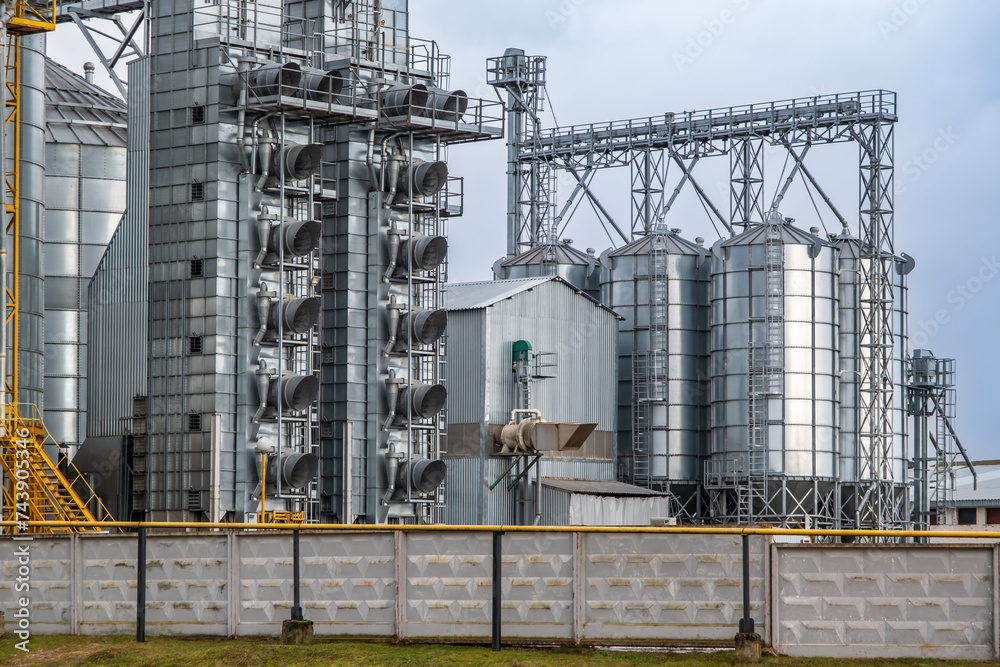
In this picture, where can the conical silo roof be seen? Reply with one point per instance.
(80, 112)
(551, 253)
(672, 244)
(787, 233)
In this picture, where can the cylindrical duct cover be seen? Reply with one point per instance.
(404, 99)
(427, 177)
(425, 475)
(301, 238)
(449, 106)
(298, 392)
(421, 253)
(298, 315)
(301, 160)
(421, 401)
(323, 86)
(421, 326)
(275, 79)
(296, 469)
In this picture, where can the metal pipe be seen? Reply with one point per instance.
(497, 586)
(746, 623)
(140, 586)
(296, 579)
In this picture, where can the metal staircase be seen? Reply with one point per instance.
(36, 489)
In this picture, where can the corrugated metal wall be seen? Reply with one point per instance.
(467, 362)
(117, 299)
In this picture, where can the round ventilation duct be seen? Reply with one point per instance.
(424, 475)
(323, 86)
(421, 253)
(275, 79)
(426, 178)
(300, 238)
(297, 315)
(301, 161)
(449, 106)
(298, 392)
(404, 99)
(296, 470)
(421, 401)
(422, 326)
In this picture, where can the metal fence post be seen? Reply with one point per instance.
(497, 586)
(296, 579)
(746, 623)
(140, 587)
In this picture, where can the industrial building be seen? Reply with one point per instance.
(242, 276)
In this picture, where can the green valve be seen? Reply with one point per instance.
(521, 349)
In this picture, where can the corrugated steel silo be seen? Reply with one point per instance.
(660, 284)
(31, 214)
(774, 378)
(851, 300)
(84, 201)
(554, 259)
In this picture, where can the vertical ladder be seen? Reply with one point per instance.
(766, 371)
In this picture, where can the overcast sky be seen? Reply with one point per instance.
(616, 59)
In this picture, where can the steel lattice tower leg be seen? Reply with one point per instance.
(880, 504)
(746, 182)
(649, 178)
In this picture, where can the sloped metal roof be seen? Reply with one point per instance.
(988, 492)
(592, 488)
(553, 253)
(790, 234)
(672, 244)
(79, 112)
(473, 296)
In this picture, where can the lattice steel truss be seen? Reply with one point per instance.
(648, 144)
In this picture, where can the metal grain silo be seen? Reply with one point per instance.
(852, 298)
(84, 201)
(774, 378)
(554, 259)
(31, 215)
(660, 285)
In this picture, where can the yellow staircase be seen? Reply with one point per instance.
(36, 489)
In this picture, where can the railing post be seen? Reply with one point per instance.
(746, 623)
(497, 586)
(296, 579)
(140, 587)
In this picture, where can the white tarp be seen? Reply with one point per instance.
(588, 510)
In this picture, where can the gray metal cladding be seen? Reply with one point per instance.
(117, 300)
(467, 370)
(801, 411)
(674, 399)
(85, 189)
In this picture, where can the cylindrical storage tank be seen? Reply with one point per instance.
(554, 259)
(774, 378)
(852, 298)
(31, 216)
(84, 200)
(659, 284)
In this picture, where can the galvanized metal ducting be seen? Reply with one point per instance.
(448, 105)
(421, 178)
(404, 99)
(420, 253)
(296, 470)
(297, 315)
(424, 475)
(273, 79)
(323, 86)
(420, 401)
(421, 326)
(300, 237)
(301, 161)
(297, 392)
